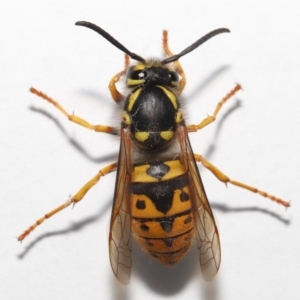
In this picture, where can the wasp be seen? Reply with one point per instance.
(159, 197)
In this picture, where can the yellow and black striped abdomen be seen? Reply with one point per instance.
(162, 217)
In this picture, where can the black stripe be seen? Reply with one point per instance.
(173, 236)
(172, 252)
(160, 193)
(171, 218)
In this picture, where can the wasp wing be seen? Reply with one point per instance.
(120, 223)
(207, 232)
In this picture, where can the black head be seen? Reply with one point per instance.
(151, 73)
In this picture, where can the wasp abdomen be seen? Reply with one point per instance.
(162, 216)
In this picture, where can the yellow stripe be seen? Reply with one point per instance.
(126, 118)
(141, 136)
(167, 135)
(132, 98)
(178, 117)
(135, 81)
(170, 95)
(138, 67)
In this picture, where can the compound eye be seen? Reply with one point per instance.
(174, 76)
(138, 75)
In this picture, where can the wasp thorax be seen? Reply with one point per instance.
(151, 112)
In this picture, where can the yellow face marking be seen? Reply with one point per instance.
(132, 98)
(167, 135)
(174, 83)
(131, 82)
(179, 117)
(126, 118)
(170, 95)
(141, 136)
(139, 173)
(138, 67)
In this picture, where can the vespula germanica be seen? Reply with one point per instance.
(159, 196)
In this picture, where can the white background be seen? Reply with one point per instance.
(45, 158)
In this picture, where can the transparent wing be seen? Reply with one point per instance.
(120, 223)
(207, 232)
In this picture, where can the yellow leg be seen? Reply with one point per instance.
(224, 178)
(177, 64)
(116, 95)
(76, 198)
(210, 119)
(73, 118)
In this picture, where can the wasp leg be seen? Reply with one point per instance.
(177, 64)
(224, 178)
(73, 200)
(73, 118)
(116, 95)
(210, 119)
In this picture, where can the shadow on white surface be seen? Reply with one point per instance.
(73, 142)
(74, 227)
